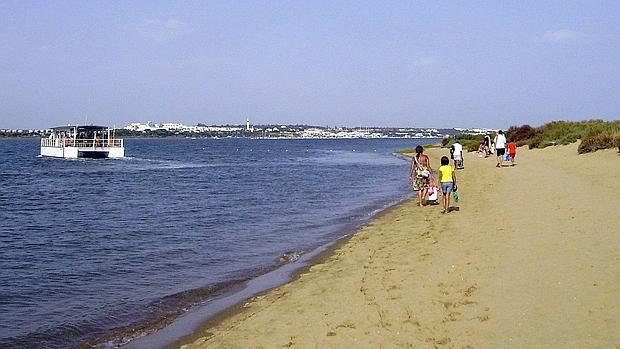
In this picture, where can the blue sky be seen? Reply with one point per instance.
(350, 63)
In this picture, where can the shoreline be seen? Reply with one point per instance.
(362, 210)
(231, 299)
(327, 251)
(239, 307)
(462, 305)
(253, 138)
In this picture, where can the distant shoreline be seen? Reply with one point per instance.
(221, 138)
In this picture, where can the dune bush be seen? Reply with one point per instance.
(594, 134)
(469, 142)
(594, 141)
(521, 133)
(446, 140)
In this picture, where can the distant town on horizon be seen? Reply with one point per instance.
(167, 129)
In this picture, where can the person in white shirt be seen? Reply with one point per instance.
(458, 155)
(500, 147)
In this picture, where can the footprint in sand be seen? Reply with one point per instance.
(470, 290)
(290, 343)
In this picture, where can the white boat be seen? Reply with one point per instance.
(90, 141)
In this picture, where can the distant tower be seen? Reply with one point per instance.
(247, 124)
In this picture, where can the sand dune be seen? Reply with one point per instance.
(530, 260)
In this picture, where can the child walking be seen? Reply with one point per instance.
(447, 177)
(433, 192)
(512, 151)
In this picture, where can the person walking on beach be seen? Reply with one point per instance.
(500, 147)
(512, 151)
(420, 174)
(458, 155)
(487, 146)
(447, 178)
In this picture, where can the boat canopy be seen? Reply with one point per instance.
(84, 128)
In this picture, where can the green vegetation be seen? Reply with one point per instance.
(411, 151)
(469, 142)
(594, 135)
(604, 139)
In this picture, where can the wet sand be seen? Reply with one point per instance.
(531, 259)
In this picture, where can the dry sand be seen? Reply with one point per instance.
(530, 260)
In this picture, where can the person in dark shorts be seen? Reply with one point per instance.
(500, 147)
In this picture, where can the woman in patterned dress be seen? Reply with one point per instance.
(420, 174)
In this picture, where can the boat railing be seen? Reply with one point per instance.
(82, 143)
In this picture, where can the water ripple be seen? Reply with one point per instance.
(94, 251)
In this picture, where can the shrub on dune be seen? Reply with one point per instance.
(446, 141)
(599, 140)
(594, 134)
(469, 142)
(521, 134)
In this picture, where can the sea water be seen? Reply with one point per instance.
(93, 249)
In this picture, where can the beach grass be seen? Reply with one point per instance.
(607, 138)
(469, 142)
(593, 135)
(411, 151)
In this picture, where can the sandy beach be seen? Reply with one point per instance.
(530, 259)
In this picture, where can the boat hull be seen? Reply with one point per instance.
(88, 153)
